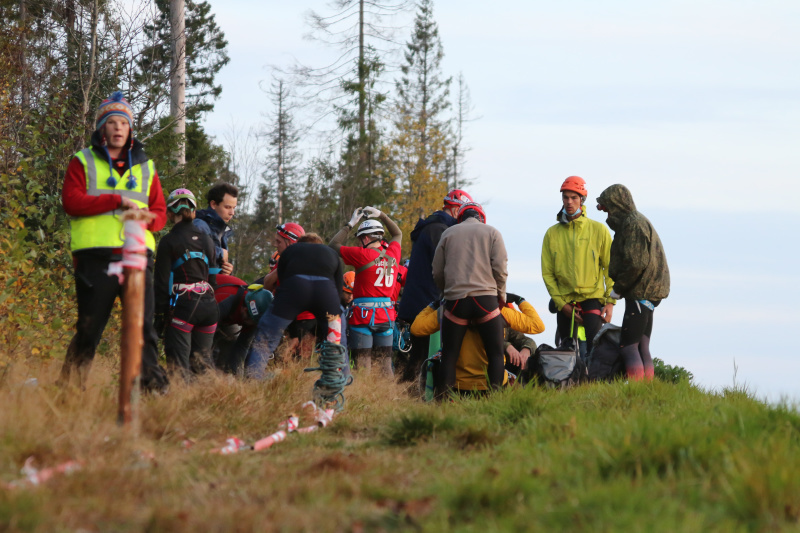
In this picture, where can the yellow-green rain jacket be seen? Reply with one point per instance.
(575, 257)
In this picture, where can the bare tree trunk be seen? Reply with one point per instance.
(362, 98)
(88, 83)
(178, 77)
(455, 167)
(24, 86)
(73, 61)
(281, 132)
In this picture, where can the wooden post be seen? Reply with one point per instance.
(134, 263)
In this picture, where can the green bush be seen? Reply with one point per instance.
(669, 373)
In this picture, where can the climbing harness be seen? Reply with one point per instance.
(471, 322)
(402, 338)
(647, 303)
(182, 288)
(368, 307)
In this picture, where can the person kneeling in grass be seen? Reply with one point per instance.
(473, 361)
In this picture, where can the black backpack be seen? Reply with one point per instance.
(557, 368)
(607, 363)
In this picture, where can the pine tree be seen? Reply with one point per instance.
(322, 210)
(206, 54)
(421, 144)
(361, 167)
(458, 146)
(281, 174)
(278, 193)
(349, 88)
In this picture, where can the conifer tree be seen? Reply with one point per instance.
(278, 194)
(462, 115)
(421, 143)
(348, 88)
(206, 54)
(321, 211)
(283, 158)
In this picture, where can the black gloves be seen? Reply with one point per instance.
(514, 298)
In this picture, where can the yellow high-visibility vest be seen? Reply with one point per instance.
(105, 230)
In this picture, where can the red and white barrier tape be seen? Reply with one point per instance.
(322, 417)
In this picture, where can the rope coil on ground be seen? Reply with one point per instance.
(329, 388)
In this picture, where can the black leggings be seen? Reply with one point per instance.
(637, 322)
(491, 332)
(190, 335)
(591, 322)
(634, 341)
(306, 293)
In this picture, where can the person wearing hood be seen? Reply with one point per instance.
(112, 175)
(575, 258)
(420, 288)
(214, 219)
(641, 276)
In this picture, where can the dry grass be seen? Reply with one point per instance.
(151, 482)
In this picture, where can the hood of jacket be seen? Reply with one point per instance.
(211, 218)
(436, 217)
(218, 226)
(619, 202)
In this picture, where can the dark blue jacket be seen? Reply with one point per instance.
(209, 222)
(420, 290)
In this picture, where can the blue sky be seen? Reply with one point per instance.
(694, 105)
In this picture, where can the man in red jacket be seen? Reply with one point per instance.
(112, 175)
(371, 318)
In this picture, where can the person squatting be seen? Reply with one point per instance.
(449, 297)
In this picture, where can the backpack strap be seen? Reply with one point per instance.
(187, 255)
(376, 262)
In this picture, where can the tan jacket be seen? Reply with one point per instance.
(470, 260)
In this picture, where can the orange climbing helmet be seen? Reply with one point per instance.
(575, 184)
(349, 279)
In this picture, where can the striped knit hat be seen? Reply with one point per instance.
(115, 105)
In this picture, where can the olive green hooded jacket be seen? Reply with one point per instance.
(638, 263)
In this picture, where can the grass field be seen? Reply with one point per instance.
(604, 457)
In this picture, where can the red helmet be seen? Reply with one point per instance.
(290, 231)
(575, 184)
(456, 198)
(471, 206)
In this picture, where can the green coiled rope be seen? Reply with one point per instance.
(329, 388)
